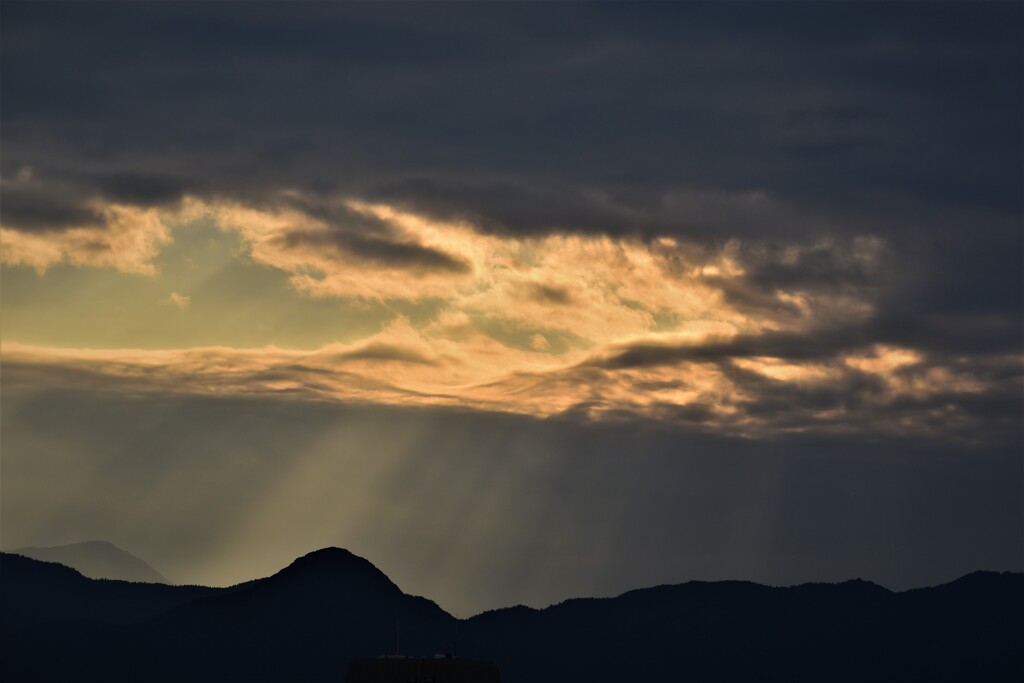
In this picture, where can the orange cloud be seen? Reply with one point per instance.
(401, 366)
(127, 240)
(541, 325)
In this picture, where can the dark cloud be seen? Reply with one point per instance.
(778, 124)
(385, 352)
(855, 400)
(821, 266)
(981, 334)
(32, 207)
(420, 102)
(348, 234)
(513, 207)
(550, 294)
(940, 391)
(786, 345)
(403, 255)
(901, 121)
(143, 188)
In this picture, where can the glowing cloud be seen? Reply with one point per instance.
(127, 240)
(541, 325)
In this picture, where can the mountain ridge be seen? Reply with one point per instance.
(308, 620)
(322, 562)
(96, 560)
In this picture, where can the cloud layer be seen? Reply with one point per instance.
(747, 338)
(675, 212)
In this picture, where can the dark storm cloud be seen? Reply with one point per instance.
(982, 332)
(785, 345)
(147, 189)
(45, 208)
(376, 250)
(52, 204)
(545, 204)
(767, 122)
(347, 234)
(824, 274)
(817, 267)
(942, 389)
(490, 105)
(860, 400)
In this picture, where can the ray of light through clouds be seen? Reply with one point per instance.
(682, 291)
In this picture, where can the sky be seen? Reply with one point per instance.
(519, 301)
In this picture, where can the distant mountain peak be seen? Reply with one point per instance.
(335, 558)
(336, 564)
(331, 554)
(97, 560)
(96, 543)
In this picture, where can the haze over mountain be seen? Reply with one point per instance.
(97, 560)
(307, 621)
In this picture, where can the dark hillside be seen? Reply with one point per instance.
(308, 621)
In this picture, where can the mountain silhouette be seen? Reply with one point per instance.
(36, 593)
(311, 619)
(97, 560)
(330, 605)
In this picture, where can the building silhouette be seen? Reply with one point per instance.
(439, 669)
